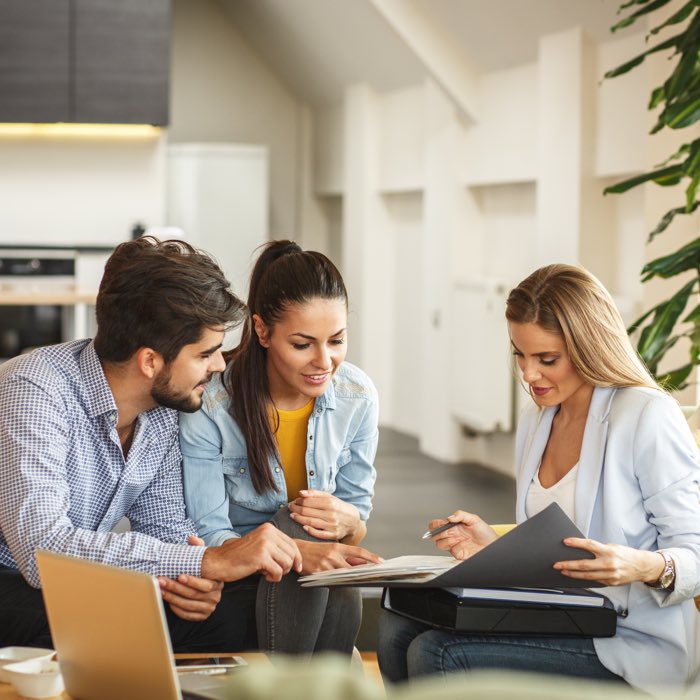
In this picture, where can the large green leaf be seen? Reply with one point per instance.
(691, 165)
(678, 103)
(625, 67)
(676, 379)
(682, 76)
(636, 324)
(685, 258)
(658, 95)
(670, 175)
(657, 332)
(677, 17)
(629, 3)
(693, 316)
(683, 113)
(668, 217)
(654, 5)
(684, 150)
(653, 361)
(690, 194)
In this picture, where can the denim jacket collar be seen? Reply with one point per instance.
(326, 400)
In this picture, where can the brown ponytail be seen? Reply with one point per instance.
(283, 275)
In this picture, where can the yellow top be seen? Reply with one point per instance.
(291, 441)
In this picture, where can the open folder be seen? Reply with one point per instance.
(521, 558)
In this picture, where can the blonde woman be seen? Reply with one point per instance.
(614, 451)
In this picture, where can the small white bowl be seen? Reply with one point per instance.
(12, 655)
(36, 678)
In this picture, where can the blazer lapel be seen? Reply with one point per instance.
(590, 466)
(532, 456)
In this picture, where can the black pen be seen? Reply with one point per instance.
(438, 530)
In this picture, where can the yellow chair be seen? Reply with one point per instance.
(503, 528)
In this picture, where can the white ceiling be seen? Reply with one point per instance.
(497, 34)
(318, 46)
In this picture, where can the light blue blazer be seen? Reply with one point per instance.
(637, 485)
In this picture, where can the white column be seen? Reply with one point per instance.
(368, 264)
(566, 145)
(451, 245)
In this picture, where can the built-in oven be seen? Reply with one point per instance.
(40, 298)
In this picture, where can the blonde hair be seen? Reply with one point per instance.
(569, 301)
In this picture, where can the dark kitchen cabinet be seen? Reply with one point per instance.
(122, 61)
(34, 60)
(91, 61)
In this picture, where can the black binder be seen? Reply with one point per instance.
(442, 609)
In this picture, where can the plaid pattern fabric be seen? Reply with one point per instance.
(64, 482)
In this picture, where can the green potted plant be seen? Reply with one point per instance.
(678, 103)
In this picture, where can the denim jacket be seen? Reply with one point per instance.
(341, 445)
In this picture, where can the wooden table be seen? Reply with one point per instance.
(7, 691)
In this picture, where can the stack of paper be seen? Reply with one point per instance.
(523, 557)
(409, 568)
(550, 596)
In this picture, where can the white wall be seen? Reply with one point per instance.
(502, 145)
(509, 218)
(401, 190)
(91, 191)
(406, 216)
(621, 115)
(519, 188)
(79, 190)
(222, 91)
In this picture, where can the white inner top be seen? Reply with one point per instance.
(538, 497)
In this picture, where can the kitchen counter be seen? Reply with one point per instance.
(80, 248)
(58, 298)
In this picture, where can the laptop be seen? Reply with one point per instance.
(108, 627)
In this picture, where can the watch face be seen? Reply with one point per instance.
(667, 578)
(669, 574)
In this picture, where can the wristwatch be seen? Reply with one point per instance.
(668, 575)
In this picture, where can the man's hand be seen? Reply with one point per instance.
(266, 550)
(321, 556)
(326, 517)
(191, 597)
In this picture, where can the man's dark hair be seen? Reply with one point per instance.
(161, 295)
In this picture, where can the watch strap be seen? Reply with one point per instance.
(668, 575)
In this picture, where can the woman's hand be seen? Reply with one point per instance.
(471, 535)
(326, 517)
(321, 556)
(191, 598)
(614, 564)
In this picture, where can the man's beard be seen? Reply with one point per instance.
(164, 395)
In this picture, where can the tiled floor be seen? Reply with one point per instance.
(412, 489)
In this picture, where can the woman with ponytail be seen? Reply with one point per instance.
(288, 434)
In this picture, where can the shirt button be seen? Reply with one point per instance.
(312, 472)
(318, 411)
(277, 469)
(311, 437)
(241, 470)
(281, 505)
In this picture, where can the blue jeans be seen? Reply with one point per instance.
(296, 620)
(407, 649)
